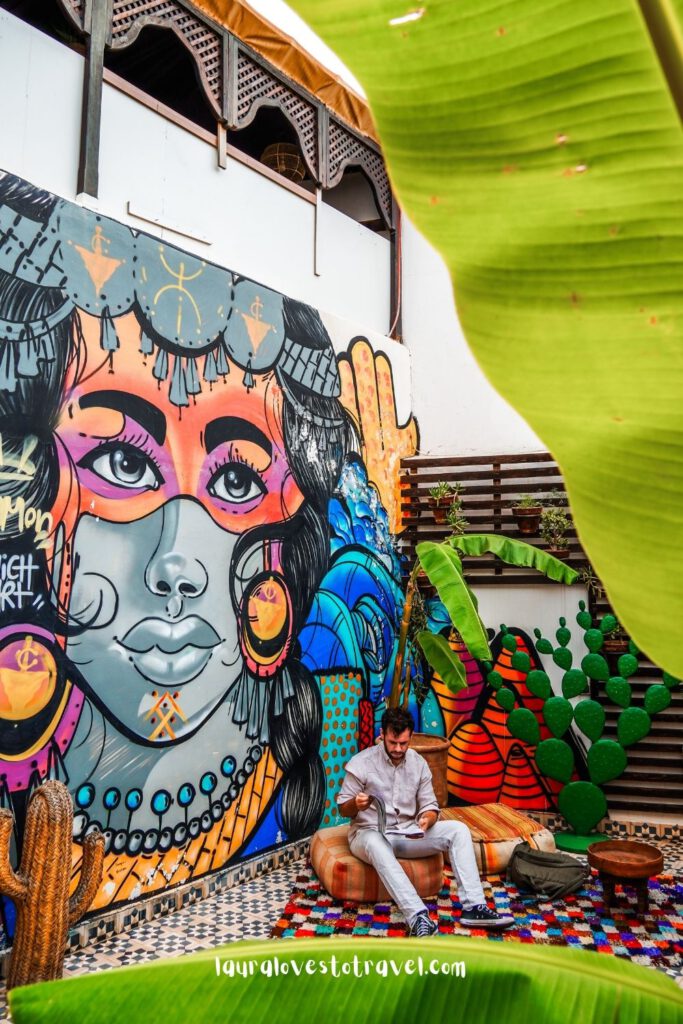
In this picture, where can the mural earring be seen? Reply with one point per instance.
(266, 617)
(34, 693)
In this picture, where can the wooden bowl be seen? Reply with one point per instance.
(626, 858)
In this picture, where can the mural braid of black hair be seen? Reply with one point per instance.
(295, 743)
(296, 733)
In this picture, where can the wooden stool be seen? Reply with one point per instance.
(624, 860)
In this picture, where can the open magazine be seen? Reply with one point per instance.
(413, 831)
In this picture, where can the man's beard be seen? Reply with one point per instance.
(392, 757)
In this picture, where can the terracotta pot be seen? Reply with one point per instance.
(614, 645)
(528, 519)
(434, 749)
(558, 552)
(440, 507)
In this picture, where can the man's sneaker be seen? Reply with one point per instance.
(481, 917)
(423, 926)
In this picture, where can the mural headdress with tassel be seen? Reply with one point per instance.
(190, 309)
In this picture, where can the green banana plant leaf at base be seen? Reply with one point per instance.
(502, 982)
(537, 145)
(444, 570)
(443, 659)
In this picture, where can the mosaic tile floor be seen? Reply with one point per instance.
(247, 911)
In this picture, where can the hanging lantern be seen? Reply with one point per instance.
(284, 158)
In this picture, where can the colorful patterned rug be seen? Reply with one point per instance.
(580, 920)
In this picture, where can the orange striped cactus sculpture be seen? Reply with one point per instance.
(40, 889)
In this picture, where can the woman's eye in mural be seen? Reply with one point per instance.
(236, 483)
(121, 463)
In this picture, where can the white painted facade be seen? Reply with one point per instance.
(458, 411)
(240, 219)
(245, 221)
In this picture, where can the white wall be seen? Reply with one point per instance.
(458, 411)
(251, 224)
(519, 606)
(41, 87)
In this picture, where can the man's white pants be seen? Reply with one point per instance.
(450, 837)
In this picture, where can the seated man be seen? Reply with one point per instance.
(402, 779)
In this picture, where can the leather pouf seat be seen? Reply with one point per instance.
(496, 829)
(347, 878)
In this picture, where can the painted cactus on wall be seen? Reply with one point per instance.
(521, 737)
(198, 588)
(582, 801)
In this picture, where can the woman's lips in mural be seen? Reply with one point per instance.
(170, 653)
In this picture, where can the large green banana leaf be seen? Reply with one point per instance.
(537, 146)
(516, 984)
(443, 659)
(515, 552)
(441, 565)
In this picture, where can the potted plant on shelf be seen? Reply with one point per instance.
(527, 511)
(554, 525)
(455, 518)
(591, 582)
(441, 497)
(614, 640)
(442, 565)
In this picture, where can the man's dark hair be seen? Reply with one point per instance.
(397, 719)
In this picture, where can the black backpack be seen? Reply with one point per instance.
(552, 875)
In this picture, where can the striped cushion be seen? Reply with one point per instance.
(347, 878)
(496, 830)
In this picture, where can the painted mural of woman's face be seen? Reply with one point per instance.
(160, 505)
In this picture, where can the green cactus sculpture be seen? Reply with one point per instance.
(40, 889)
(581, 802)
